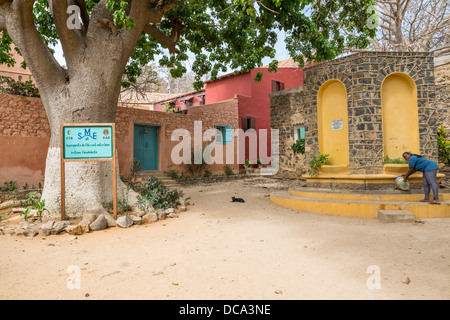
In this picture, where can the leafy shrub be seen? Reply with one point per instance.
(299, 147)
(317, 162)
(196, 169)
(159, 196)
(229, 170)
(136, 167)
(172, 173)
(388, 160)
(259, 163)
(207, 174)
(33, 199)
(443, 146)
(21, 88)
(9, 186)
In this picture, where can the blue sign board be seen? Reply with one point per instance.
(88, 142)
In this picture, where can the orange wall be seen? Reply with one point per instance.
(25, 135)
(254, 100)
(223, 113)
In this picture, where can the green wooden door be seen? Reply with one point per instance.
(146, 146)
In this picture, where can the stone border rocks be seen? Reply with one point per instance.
(94, 220)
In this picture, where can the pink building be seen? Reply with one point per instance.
(181, 102)
(253, 97)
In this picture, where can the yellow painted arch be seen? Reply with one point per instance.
(332, 114)
(399, 115)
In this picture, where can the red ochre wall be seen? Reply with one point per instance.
(254, 100)
(25, 136)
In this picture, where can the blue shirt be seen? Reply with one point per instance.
(422, 164)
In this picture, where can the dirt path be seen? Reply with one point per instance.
(224, 250)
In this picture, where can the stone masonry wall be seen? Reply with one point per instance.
(363, 74)
(22, 116)
(286, 112)
(442, 75)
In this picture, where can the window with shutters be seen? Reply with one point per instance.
(277, 86)
(248, 123)
(189, 103)
(224, 134)
(299, 133)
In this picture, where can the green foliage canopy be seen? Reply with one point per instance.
(236, 34)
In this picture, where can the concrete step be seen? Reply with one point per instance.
(365, 195)
(392, 216)
(168, 182)
(349, 207)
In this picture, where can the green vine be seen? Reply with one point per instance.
(443, 146)
(316, 163)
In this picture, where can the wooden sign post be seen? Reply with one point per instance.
(88, 142)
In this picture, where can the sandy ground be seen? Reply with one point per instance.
(224, 250)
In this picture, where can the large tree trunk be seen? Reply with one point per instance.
(88, 185)
(86, 92)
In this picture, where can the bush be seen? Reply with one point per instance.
(229, 170)
(9, 186)
(317, 162)
(299, 146)
(197, 169)
(207, 174)
(443, 146)
(172, 173)
(21, 88)
(159, 196)
(388, 160)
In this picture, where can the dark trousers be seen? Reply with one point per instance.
(429, 181)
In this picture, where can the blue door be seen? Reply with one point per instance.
(146, 146)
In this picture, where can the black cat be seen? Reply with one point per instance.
(233, 199)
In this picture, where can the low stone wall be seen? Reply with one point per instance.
(442, 76)
(286, 112)
(25, 135)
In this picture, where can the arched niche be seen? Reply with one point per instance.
(399, 115)
(332, 113)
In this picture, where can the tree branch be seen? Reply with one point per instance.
(84, 12)
(72, 40)
(168, 42)
(18, 21)
(142, 21)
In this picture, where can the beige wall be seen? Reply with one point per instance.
(25, 135)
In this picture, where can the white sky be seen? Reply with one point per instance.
(281, 54)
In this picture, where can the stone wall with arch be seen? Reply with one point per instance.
(362, 74)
